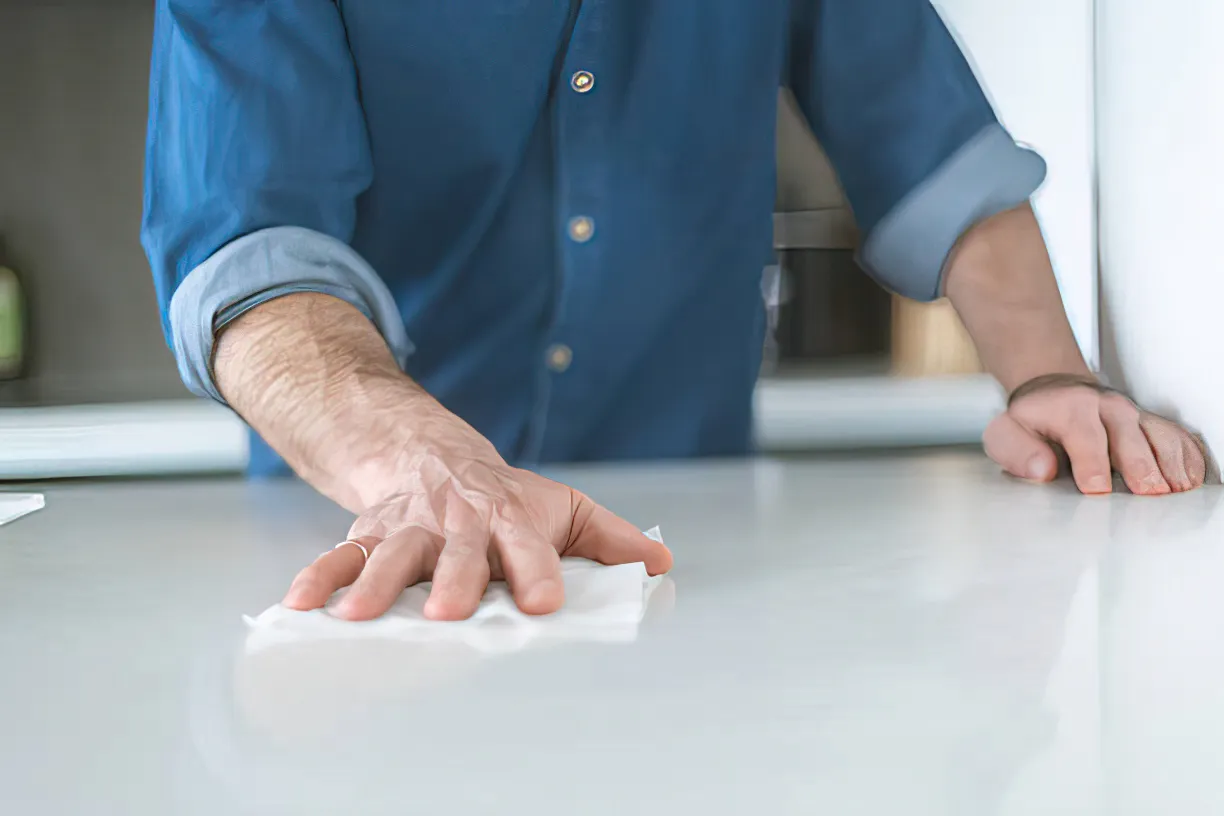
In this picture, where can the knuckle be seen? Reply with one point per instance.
(1161, 440)
(1078, 397)
(1119, 407)
(1088, 425)
(1196, 462)
(1086, 438)
(1140, 465)
(369, 525)
(995, 431)
(458, 551)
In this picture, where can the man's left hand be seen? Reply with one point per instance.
(1100, 431)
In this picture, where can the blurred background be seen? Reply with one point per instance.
(89, 386)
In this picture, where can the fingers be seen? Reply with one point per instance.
(1102, 433)
(1129, 450)
(1181, 458)
(1019, 451)
(330, 571)
(533, 571)
(600, 535)
(462, 572)
(1087, 446)
(401, 560)
(1071, 418)
(456, 553)
(1194, 453)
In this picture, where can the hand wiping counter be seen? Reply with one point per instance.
(604, 603)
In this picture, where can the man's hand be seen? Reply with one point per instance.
(312, 375)
(1099, 431)
(462, 522)
(1001, 282)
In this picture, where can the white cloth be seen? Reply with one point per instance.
(15, 505)
(603, 603)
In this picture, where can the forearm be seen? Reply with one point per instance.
(313, 376)
(1002, 285)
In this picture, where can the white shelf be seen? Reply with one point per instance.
(149, 438)
(159, 438)
(870, 412)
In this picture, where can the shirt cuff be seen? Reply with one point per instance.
(265, 265)
(908, 248)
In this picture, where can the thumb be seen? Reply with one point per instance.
(600, 535)
(1019, 451)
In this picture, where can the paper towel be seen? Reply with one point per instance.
(15, 505)
(602, 603)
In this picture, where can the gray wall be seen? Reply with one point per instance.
(805, 179)
(73, 87)
(73, 84)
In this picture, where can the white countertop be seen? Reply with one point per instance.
(875, 636)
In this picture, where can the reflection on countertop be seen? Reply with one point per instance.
(893, 634)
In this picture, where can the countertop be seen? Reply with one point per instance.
(884, 635)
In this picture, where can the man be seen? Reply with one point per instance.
(418, 244)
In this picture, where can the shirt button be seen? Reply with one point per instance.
(581, 229)
(559, 357)
(582, 81)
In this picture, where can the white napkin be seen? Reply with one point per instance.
(15, 505)
(604, 603)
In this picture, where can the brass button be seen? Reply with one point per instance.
(559, 357)
(581, 229)
(582, 81)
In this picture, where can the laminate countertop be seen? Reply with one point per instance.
(884, 635)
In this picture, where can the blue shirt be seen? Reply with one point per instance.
(557, 213)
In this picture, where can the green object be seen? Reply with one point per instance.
(12, 325)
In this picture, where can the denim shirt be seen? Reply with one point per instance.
(555, 212)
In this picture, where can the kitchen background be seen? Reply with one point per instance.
(850, 366)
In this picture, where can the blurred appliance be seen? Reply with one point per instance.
(827, 309)
(823, 308)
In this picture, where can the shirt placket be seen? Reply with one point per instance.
(578, 155)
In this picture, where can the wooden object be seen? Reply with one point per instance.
(929, 340)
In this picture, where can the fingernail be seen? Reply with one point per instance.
(544, 598)
(294, 596)
(1099, 484)
(1036, 468)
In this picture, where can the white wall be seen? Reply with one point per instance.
(1035, 58)
(1161, 109)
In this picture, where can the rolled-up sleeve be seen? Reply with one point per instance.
(256, 154)
(916, 145)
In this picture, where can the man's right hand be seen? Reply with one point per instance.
(462, 522)
(434, 498)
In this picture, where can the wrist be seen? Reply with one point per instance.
(1000, 281)
(1047, 382)
(314, 378)
(352, 451)
(405, 434)
(1068, 367)
(312, 375)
